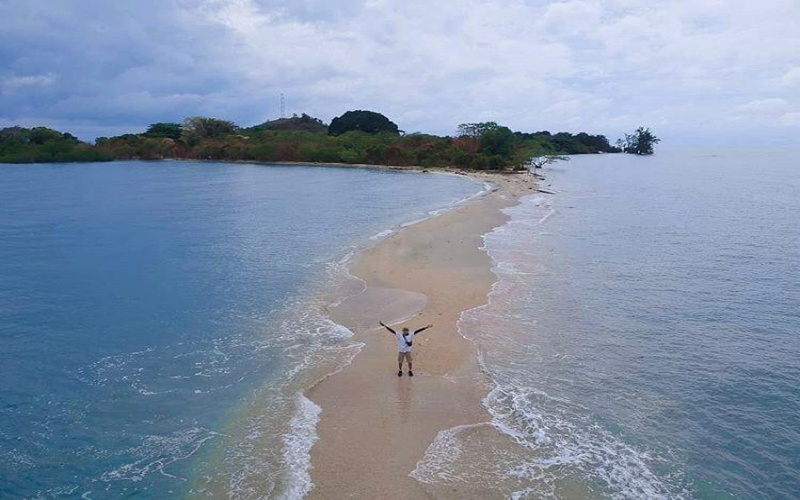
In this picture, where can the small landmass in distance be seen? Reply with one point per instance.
(356, 137)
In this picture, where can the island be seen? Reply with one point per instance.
(355, 137)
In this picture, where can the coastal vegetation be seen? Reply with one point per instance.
(640, 142)
(356, 137)
(363, 121)
(44, 145)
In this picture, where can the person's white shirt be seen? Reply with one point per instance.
(402, 346)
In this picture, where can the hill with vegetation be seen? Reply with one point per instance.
(356, 137)
(302, 123)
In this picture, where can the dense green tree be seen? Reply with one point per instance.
(497, 141)
(42, 135)
(640, 142)
(197, 128)
(303, 122)
(596, 143)
(541, 143)
(164, 130)
(476, 130)
(363, 121)
(42, 144)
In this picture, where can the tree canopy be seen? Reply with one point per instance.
(296, 123)
(476, 130)
(640, 142)
(164, 130)
(363, 121)
(41, 144)
(196, 128)
(355, 137)
(497, 141)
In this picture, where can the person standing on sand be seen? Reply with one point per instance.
(404, 341)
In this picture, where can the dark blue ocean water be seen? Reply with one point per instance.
(644, 335)
(157, 319)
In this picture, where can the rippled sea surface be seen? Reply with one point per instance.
(159, 321)
(644, 335)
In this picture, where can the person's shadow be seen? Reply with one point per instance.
(404, 398)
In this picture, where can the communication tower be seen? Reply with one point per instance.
(283, 106)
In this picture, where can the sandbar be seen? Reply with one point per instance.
(375, 426)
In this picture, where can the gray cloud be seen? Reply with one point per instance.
(690, 70)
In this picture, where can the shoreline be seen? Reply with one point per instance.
(371, 419)
(476, 174)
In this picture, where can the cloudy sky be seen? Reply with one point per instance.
(694, 71)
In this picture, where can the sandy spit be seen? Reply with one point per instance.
(374, 425)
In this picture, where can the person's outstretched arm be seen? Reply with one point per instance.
(421, 329)
(381, 322)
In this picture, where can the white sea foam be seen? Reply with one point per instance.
(553, 446)
(347, 257)
(577, 447)
(313, 339)
(16, 459)
(61, 491)
(382, 235)
(487, 188)
(443, 451)
(546, 454)
(268, 454)
(297, 448)
(158, 453)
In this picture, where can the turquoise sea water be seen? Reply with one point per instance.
(643, 338)
(158, 321)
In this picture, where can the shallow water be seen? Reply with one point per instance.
(642, 338)
(158, 321)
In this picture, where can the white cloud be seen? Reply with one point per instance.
(763, 106)
(572, 17)
(681, 67)
(790, 119)
(791, 78)
(771, 112)
(12, 83)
